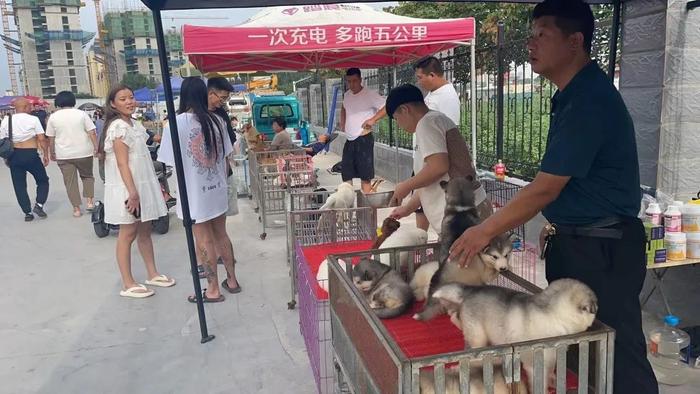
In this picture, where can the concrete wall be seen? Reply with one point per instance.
(384, 158)
(660, 82)
(641, 77)
(679, 147)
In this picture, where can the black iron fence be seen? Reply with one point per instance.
(512, 102)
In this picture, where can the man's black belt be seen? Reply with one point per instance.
(600, 229)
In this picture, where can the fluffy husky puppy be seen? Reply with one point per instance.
(385, 291)
(476, 382)
(460, 214)
(483, 269)
(491, 315)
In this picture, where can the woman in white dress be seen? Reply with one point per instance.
(205, 145)
(132, 193)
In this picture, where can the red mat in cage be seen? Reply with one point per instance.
(315, 255)
(415, 338)
(419, 339)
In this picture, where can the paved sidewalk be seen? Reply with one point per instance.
(66, 330)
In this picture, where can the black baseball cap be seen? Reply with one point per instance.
(403, 94)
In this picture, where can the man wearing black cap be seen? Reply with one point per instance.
(587, 188)
(440, 154)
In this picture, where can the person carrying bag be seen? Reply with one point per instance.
(6, 146)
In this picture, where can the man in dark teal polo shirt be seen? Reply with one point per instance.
(587, 187)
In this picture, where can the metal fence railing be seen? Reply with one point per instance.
(512, 102)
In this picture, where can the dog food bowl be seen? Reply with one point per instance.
(374, 200)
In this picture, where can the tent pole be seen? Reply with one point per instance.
(612, 56)
(473, 98)
(396, 134)
(182, 188)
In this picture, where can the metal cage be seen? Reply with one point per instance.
(313, 227)
(239, 167)
(371, 361)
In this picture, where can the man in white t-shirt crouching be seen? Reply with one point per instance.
(441, 153)
(441, 97)
(362, 108)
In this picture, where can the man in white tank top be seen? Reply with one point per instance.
(441, 97)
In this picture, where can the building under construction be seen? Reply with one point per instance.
(52, 42)
(131, 36)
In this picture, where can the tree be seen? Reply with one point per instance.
(516, 20)
(138, 81)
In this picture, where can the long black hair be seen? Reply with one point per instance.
(193, 98)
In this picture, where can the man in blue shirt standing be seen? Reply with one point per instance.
(587, 187)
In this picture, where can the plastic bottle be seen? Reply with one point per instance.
(693, 245)
(653, 213)
(665, 345)
(500, 170)
(672, 219)
(676, 246)
(691, 218)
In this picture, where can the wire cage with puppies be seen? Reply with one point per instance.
(264, 161)
(405, 355)
(315, 234)
(524, 256)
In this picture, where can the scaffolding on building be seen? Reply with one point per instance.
(11, 44)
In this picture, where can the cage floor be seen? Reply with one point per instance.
(419, 339)
(315, 255)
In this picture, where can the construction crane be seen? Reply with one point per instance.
(8, 46)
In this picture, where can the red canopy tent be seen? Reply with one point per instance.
(322, 36)
(326, 36)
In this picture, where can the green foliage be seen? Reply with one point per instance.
(84, 96)
(138, 81)
(526, 115)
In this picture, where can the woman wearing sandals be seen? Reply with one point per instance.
(205, 146)
(132, 192)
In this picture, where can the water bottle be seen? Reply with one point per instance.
(668, 347)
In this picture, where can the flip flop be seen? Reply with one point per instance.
(234, 290)
(132, 292)
(161, 281)
(90, 208)
(193, 299)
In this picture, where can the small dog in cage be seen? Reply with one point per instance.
(407, 235)
(482, 270)
(476, 382)
(343, 198)
(322, 274)
(387, 294)
(460, 214)
(492, 315)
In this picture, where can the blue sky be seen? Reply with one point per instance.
(87, 18)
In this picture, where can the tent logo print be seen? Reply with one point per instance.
(290, 11)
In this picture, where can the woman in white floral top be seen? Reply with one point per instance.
(132, 193)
